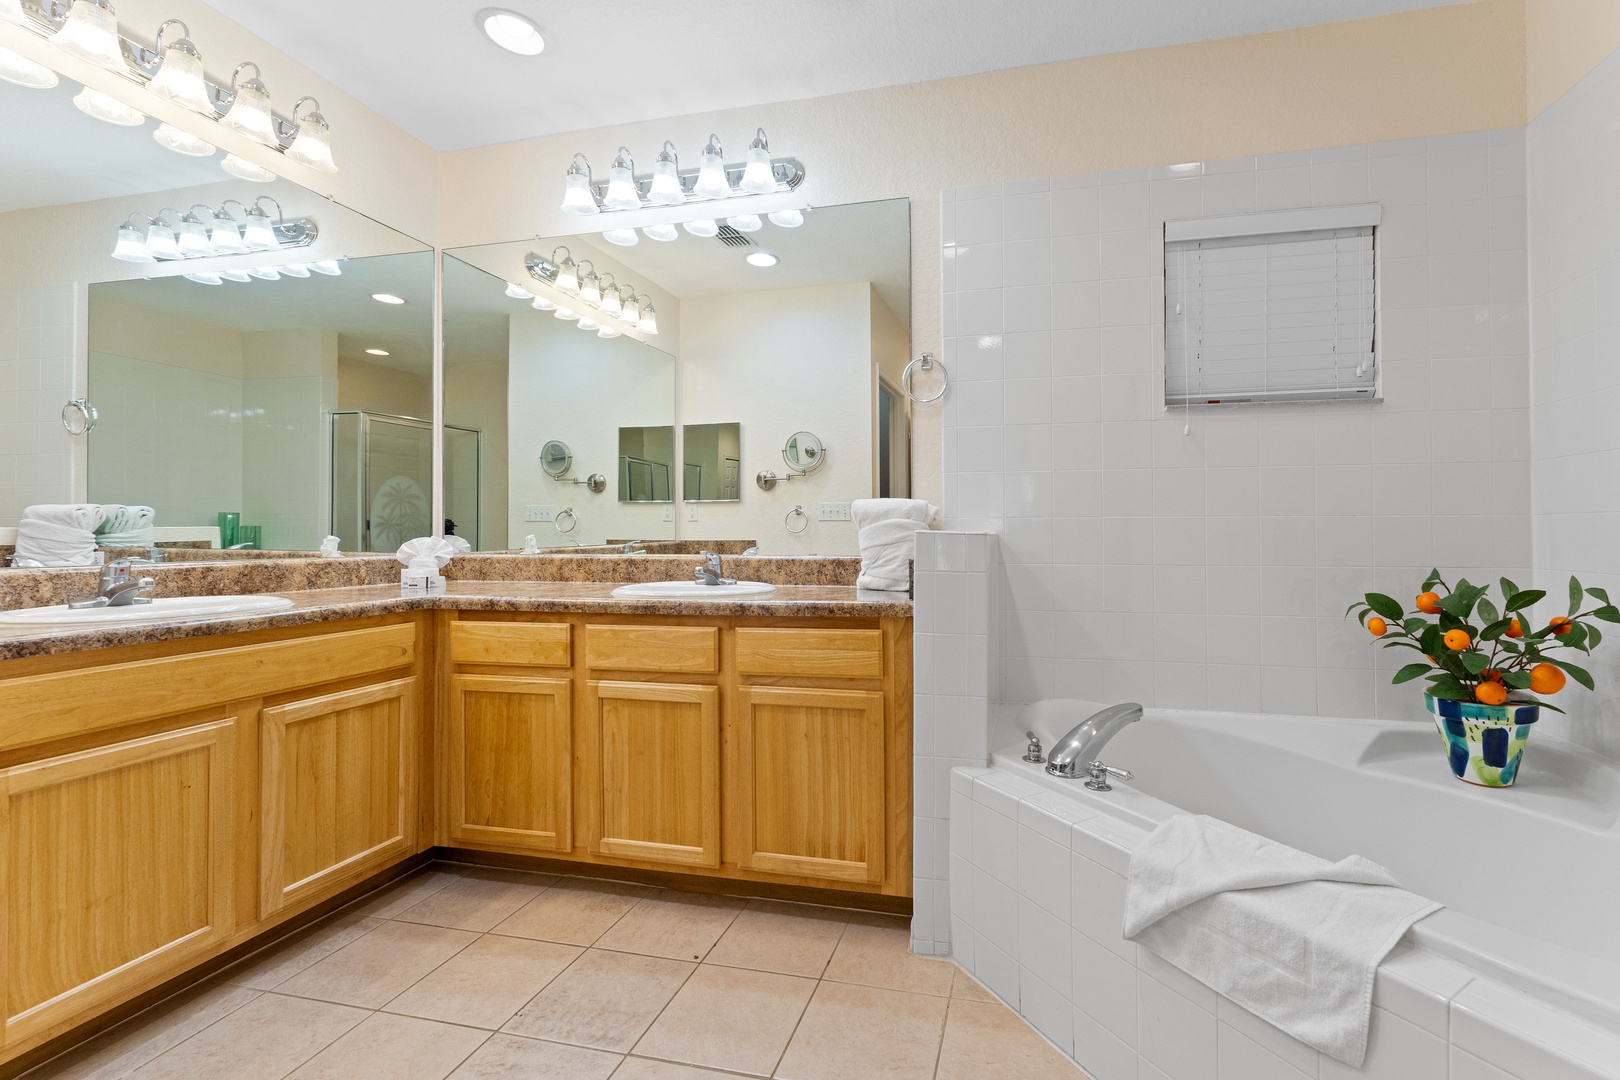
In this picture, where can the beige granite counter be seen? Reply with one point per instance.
(327, 605)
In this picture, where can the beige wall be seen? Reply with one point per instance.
(368, 387)
(1563, 40)
(1451, 69)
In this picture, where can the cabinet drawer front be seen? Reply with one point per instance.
(686, 649)
(531, 644)
(853, 654)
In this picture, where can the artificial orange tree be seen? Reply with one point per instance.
(1476, 651)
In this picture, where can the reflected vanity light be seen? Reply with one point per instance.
(387, 298)
(297, 270)
(588, 324)
(179, 77)
(90, 32)
(542, 304)
(203, 277)
(566, 314)
(329, 267)
(265, 273)
(257, 231)
(745, 223)
(567, 277)
(193, 237)
(632, 310)
(607, 332)
(663, 232)
(376, 352)
(518, 292)
(110, 109)
(704, 227)
(612, 302)
(649, 320)
(182, 142)
(226, 234)
(590, 286)
(621, 237)
(787, 219)
(235, 275)
(711, 181)
(243, 169)
(18, 69)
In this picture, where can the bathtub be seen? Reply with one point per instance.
(1520, 971)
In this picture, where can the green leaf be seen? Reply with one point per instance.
(1432, 580)
(1448, 687)
(1410, 672)
(1594, 637)
(1518, 680)
(1576, 638)
(1415, 626)
(1598, 594)
(1385, 606)
(1580, 675)
(1495, 630)
(1475, 662)
(1508, 588)
(1608, 613)
(1461, 601)
(1520, 600)
(1576, 594)
(1430, 640)
(1487, 610)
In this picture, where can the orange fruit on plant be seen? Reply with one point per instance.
(1514, 630)
(1457, 640)
(1428, 603)
(1561, 625)
(1377, 627)
(1546, 679)
(1490, 693)
(1490, 674)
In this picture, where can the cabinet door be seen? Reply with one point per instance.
(115, 871)
(511, 760)
(657, 772)
(337, 790)
(810, 794)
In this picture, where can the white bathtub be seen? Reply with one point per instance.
(1522, 970)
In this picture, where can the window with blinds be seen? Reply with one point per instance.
(1272, 307)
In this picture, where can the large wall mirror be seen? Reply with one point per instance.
(755, 337)
(287, 384)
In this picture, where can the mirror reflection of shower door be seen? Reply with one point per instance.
(382, 480)
(463, 492)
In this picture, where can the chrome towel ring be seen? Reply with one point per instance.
(87, 417)
(927, 362)
(796, 514)
(573, 522)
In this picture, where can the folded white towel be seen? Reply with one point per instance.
(127, 526)
(887, 532)
(1293, 938)
(59, 533)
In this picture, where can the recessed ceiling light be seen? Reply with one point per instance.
(387, 298)
(761, 258)
(513, 32)
(377, 352)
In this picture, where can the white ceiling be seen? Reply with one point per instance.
(425, 66)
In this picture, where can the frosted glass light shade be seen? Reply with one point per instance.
(632, 311)
(226, 237)
(607, 332)
(568, 276)
(757, 177)
(103, 107)
(588, 324)
(612, 304)
(649, 320)
(234, 275)
(621, 191)
(312, 145)
(542, 304)
(250, 114)
(180, 79)
(182, 142)
(787, 219)
(590, 288)
(193, 240)
(621, 237)
(91, 33)
(329, 267)
(131, 246)
(566, 314)
(266, 273)
(745, 223)
(243, 169)
(666, 182)
(297, 270)
(205, 278)
(707, 227)
(577, 196)
(258, 234)
(664, 233)
(518, 292)
(160, 242)
(711, 181)
(18, 69)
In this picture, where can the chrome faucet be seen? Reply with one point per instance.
(117, 588)
(709, 573)
(634, 547)
(1075, 755)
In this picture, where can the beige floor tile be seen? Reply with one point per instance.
(680, 926)
(635, 1068)
(881, 956)
(379, 967)
(865, 1033)
(143, 1037)
(263, 1040)
(793, 939)
(573, 911)
(479, 900)
(391, 899)
(395, 1047)
(269, 967)
(606, 1000)
(487, 982)
(729, 1018)
(508, 1057)
(991, 1040)
(967, 988)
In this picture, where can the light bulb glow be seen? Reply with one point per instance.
(607, 332)
(180, 78)
(387, 298)
(160, 242)
(588, 324)
(632, 310)
(577, 196)
(226, 237)
(706, 227)
(312, 142)
(611, 302)
(91, 33)
(110, 109)
(663, 232)
(182, 142)
(745, 223)
(621, 237)
(665, 189)
(511, 31)
(590, 288)
(621, 191)
(376, 352)
(517, 292)
(243, 169)
(758, 178)
(250, 109)
(568, 275)
(203, 277)
(265, 273)
(131, 246)
(18, 69)
(193, 240)
(649, 320)
(297, 270)
(329, 267)
(566, 314)
(711, 181)
(258, 234)
(787, 219)
(542, 304)
(235, 275)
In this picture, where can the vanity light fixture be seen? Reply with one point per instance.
(249, 113)
(192, 237)
(182, 142)
(588, 324)
(565, 273)
(612, 302)
(621, 190)
(297, 270)
(590, 286)
(621, 237)
(610, 299)
(667, 186)
(203, 277)
(131, 246)
(90, 32)
(565, 314)
(663, 232)
(235, 275)
(387, 298)
(257, 232)
(632, 310)
(265, 273)
(649, 320)
(665, 189)
(179, 76)
(110, 109)
(607, 332)
(577, 196)
(243, 169)
(329, 267)
(787, 219)
(376, 352)
(226, 233)
(704, 227)
(711, 181)
(761, 259)
(312, 138)
(758, 178)
(745, 223)
(513, 32)
(203, 232)
(18, 69)
(542, 304)
(160, 239)
(518, 292)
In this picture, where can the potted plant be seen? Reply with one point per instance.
(1486, 670)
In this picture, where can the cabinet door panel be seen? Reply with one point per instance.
(115, 870)
(658, 772)
(338, 790)
(511, 762)
(811, 789)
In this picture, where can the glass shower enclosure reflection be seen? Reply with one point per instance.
(382, 479)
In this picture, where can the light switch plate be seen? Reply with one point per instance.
(669, 513)
(833, 511)
(539, 513)
(691, 513)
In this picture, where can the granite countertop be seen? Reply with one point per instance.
(327, 605)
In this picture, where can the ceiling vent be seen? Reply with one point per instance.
(732, 238)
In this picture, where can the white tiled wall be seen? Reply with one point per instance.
(1574, 158)
(1212, 569)
(37, 326)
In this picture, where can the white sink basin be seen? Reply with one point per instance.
(178, 607)
(677, 590)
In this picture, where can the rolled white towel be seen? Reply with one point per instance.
(887, 532)
(127, 526)
(86, 516)
(61, 534)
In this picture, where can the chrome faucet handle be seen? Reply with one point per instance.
(1034, 752)
(1100, 774)
(113, 575)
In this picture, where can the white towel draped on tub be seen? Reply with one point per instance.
(887, 531)
(57, 533)
(1294, 939)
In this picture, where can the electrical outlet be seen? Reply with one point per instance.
(539, 513)
(691, 513)
(669, 513)
(833, 511)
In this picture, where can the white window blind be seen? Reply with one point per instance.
(1285, 315)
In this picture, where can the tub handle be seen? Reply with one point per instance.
(1034, 752)
(1100, 774)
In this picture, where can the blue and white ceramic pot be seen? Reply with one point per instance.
(1484, 743)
